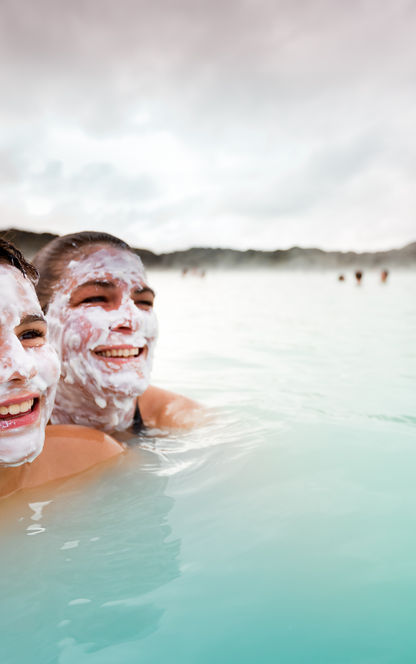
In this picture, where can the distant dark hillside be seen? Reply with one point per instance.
(296, 258)
(28, 243)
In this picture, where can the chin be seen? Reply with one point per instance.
(131, 390)
(25, 455)
(120, 384)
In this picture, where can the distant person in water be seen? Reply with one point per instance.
(358, 277)
(99, 306)
(29, 372)
(384, 275)
(341, 277)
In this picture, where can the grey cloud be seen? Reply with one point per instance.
(272, 50)
(307, 97)
(104, 178)
(327, 169)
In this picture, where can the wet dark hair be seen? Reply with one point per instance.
(11, 255)
(358, 275)
(52, 259)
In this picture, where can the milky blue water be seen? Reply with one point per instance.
(282, 531)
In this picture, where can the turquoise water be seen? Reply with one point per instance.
(280, 532)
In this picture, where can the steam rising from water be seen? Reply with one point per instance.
(277, 532)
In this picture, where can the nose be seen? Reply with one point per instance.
(16, 365)
(125, 318)
(122, 325)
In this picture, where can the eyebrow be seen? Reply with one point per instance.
(96, 282)
(109, 284)
(32, 318)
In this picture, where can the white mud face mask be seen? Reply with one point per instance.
(104, 332)
(29, 371)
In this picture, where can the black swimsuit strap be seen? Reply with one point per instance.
(137, 425)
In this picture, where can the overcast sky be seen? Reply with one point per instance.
(236, 123)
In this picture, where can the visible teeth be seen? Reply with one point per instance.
(16, 408)
(119, 352)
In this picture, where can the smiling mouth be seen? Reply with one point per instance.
(120, 352)
(20, 412)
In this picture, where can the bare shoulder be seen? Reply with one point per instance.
(71, 449)
(68, 450)
(77, 436)
(164, 409)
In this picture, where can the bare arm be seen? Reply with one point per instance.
(163, 409)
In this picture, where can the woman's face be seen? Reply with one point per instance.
(103, 325)
(29, 370)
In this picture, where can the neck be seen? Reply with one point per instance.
(12, 478)
(74, 405)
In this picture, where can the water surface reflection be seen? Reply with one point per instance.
(83, 582)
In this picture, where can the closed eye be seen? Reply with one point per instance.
(144, 303)
(93, 298)
(143, 298)
(93, 292)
